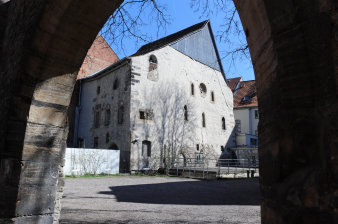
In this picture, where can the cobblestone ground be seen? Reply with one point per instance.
(160, 200)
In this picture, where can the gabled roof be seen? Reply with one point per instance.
(245, 95)
(183, 38)
(197, 42)
(233, 83)
(169, 39)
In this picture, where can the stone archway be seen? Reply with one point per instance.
(43, 46)
(293, 45)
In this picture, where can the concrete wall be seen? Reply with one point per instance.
(171, 91)
(79, 161)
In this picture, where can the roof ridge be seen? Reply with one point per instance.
(164, 41)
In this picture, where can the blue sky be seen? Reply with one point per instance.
(182, 16)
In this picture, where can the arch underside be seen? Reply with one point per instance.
(293, 46)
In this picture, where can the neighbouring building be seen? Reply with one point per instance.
(246, 114)
(169, 100)
(99, 56)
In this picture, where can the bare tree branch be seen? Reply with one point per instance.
(127, 20)
(231, 28)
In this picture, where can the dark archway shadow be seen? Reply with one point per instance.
(229, 192)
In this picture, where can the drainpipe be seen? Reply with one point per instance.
(77, 116)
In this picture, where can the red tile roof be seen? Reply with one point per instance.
(233, 83)
(245, 95)
(99, 56)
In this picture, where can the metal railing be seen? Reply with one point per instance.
(205, 168)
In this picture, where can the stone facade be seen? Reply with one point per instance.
(162, 117)
(293, 47)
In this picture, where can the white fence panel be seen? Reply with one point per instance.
(81, 161)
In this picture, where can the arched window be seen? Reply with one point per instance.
(203, 120)
(212, 96)
(107, 116)
(116, 84)
(185, 112)
(113, 146)
(107, 138)
(120, 114)
(146, 148)
(192, 89)
(152, 63)
(223, 123)
(203, 88)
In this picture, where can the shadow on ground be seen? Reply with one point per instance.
(232, 192)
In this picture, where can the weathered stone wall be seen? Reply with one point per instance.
(172, 87)
(293, 46)
(111, 98)
(42, 39)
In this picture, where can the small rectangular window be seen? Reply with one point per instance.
(146, 114)
(253, 141)
(97, 116)
(238, 126)
(142, 115)
(197, 147)
(146, 148)
(198, 157)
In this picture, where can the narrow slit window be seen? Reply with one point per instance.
(185, 113)
(96, 142)
(120, 114)
(97, 116)
(107, 138)
(116, 84)
(238, 126)
(223, 123)
(107, 117)
(212, 96)
(192, 89)
(203, 120)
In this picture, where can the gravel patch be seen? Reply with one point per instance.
(129, 199)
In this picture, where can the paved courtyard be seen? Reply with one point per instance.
(130, 199)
